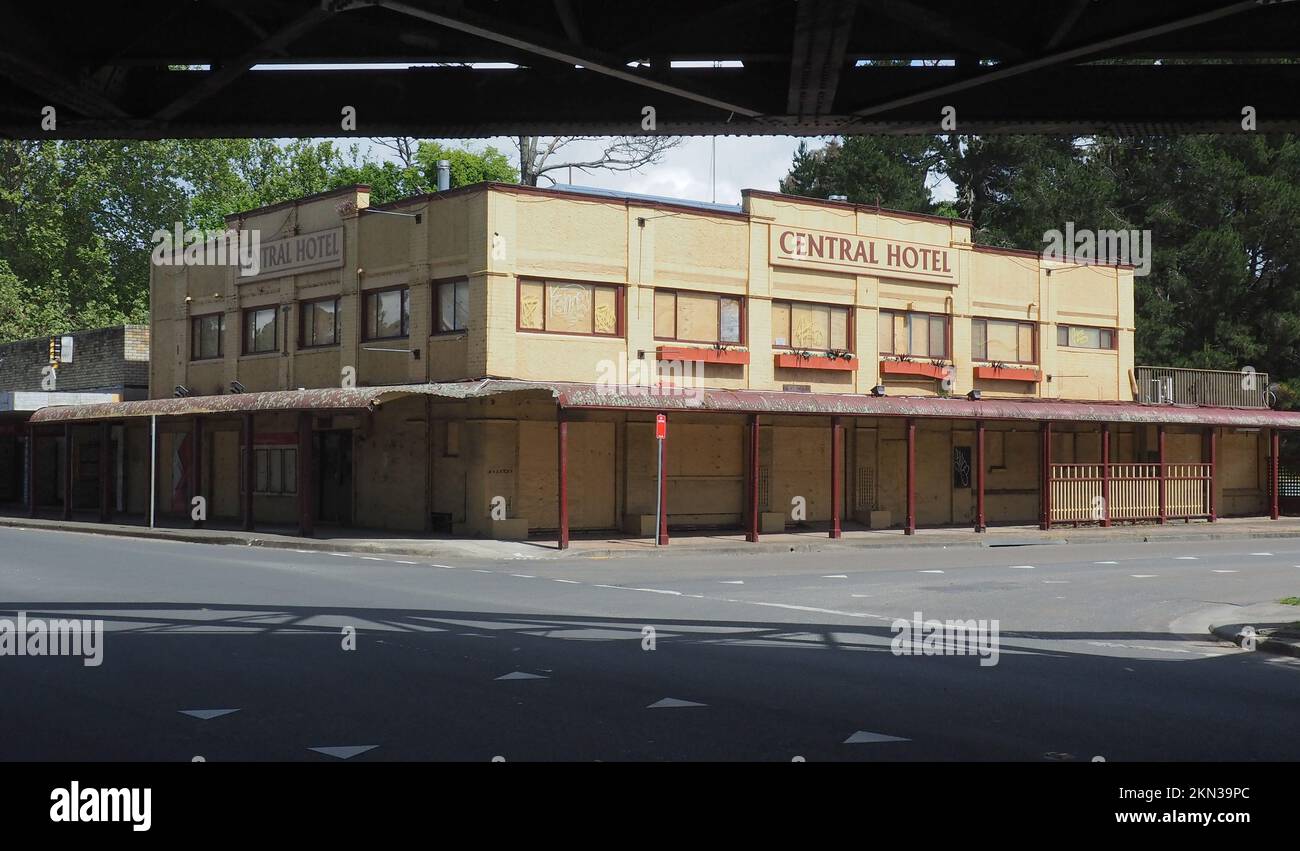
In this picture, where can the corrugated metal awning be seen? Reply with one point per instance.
(630, 398)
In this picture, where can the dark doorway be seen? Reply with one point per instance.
(334, 477)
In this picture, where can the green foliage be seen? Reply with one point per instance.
(77, 217)
(1224, 287)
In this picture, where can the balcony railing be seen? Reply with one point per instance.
(1162, 385)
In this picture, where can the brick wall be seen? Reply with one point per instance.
(110, 360)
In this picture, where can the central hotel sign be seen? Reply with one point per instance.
(308, 252)
(874, 255)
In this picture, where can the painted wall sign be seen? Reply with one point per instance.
(845, 252)
(306, 252)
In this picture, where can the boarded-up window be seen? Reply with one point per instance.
(569, 307)
(698, 317)
(531, 294)
(781, 324)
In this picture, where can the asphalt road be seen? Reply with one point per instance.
(1102, 654)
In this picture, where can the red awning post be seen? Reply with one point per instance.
(196, 470)
(1275, 463)
(980, 466)
(1046, 477)
(909, 527)
(1211, 449)
(661, 539)
(31, 470)
(1160, 455)
(751, 483)
(1105, 474)
(837, 476)
(250, 471)
(67, 471)
(306, 518)
(562, 472)
(105, 474)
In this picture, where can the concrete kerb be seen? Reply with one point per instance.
(474, 549)
(1263, 642)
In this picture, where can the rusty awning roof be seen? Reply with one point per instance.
(623, 397)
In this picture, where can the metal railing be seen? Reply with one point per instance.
(1166, 385)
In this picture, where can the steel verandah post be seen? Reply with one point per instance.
(1160, 468)
(1105, 474)
(31, 470)
(979, 476)
(250, 471)
(751, 482)
(837, 476)
(306, 520)
(1275, 439)
(153, 471)
(105, 479)
(562, 473)
(67, 471)
(1045, 479)
(196, 470)
(909, 527)
(1211, 440)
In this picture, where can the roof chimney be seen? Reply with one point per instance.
(444, 175)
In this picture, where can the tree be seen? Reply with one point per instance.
(540, 155)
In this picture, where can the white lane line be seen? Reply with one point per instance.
(835, 576)
(929, 571)
(1144, 575)
(521, 675)
(1056, 582)
(567, 581)
(481, 570)
(863, 737)
(340, 555)
(1261, 554)
(522, 576)
(371, 558)
(814, 609)
(206, 714)
(1223, 571)
(673, 703)
(657, 591)
(742, 582)
(1105, 562)
(405, 562)
(344, 752)
(615, 587)
(444, 566)
(1022, 567)
(695, 596)
(1186, 558)
(861, 595)
(304, 552)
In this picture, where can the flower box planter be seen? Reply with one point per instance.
(794, 361)
(1007, 373)
(703, 355)
(924, 369)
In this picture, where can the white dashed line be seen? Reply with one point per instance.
(1186, 558)
(929, 571)
(340, 555)
(1022, 567)
(522, 576)
(567, 581)
(1144, 575)
(657, 591)
(835, 576)
(444, 566)
(1056, 582)
(1223, 571)
(372, 558)
(481, 570)
(1261, 554)
(405, 562)
(1105, 562)
(742, 582)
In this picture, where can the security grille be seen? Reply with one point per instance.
(864, 496)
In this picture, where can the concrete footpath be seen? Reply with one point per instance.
(695, 544)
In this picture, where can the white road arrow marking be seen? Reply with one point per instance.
(344, 751)
(206, 714)
(862, 737)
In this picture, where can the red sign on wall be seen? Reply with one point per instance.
(661, 427)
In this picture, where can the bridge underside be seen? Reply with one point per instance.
(590, 67)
